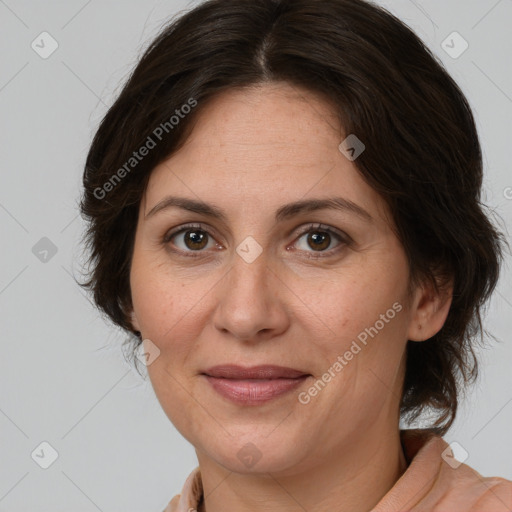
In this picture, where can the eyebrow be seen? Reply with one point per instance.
(284, 212)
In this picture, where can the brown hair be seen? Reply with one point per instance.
(422, 153)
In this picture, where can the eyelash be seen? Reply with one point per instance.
(312, 228)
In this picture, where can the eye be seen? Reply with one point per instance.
(319, 239)
(190, 238)
(193, 238)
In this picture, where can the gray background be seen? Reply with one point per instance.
(63, 378)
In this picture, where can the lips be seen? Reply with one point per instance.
(253, 385)
(267, 372)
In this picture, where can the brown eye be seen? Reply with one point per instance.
(195, 239)
(319, 240)
(189, 239)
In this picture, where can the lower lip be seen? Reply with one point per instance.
(253, 392)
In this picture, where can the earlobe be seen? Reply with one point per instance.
(430, 311)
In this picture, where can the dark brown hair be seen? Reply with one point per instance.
(422, 153)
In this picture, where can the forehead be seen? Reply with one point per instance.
(270, 144)
(266, 118)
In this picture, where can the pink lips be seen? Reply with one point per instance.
(254, 385)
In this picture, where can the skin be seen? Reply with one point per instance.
(250, 152)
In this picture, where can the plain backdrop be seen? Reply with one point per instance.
(63, 378)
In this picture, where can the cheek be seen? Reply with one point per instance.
(167, 311)
(359, 314)
(154, 306)
(347, 302)
(175, 395)
(166, 315)
(158, 299)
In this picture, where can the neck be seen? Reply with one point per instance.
(355, 477)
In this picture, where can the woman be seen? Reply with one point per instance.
(283, 203)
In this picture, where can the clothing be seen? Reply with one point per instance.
(432, 482)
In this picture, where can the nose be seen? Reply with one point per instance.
(250, 301)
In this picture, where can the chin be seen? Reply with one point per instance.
(252, 454)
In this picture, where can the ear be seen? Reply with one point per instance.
(429, 310)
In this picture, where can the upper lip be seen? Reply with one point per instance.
(230, 371)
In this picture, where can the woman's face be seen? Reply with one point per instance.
(252, 287)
